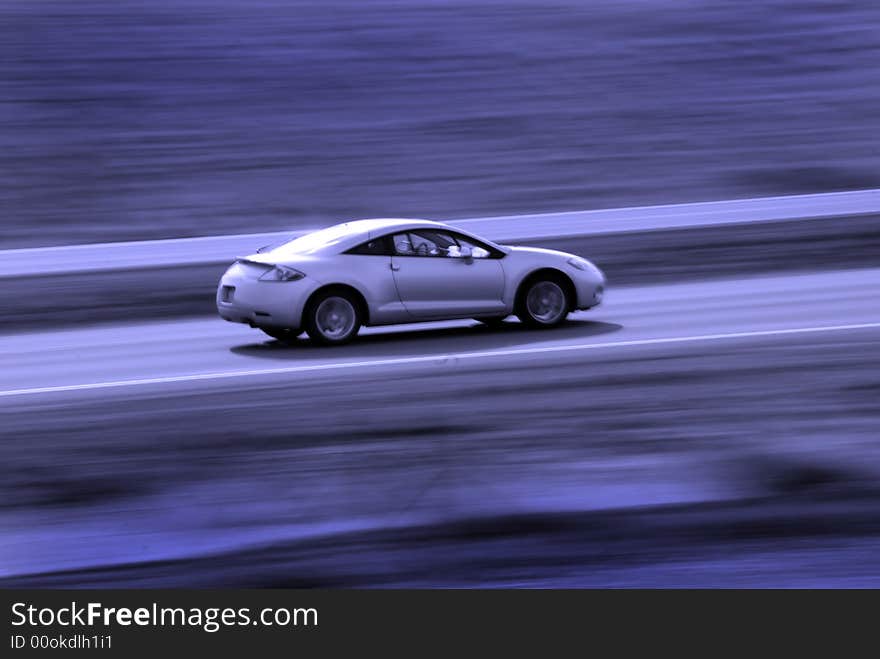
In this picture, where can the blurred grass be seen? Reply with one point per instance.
(129, 120)
(751, 464)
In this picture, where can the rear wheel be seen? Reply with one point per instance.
(333, 318)
(543, 302)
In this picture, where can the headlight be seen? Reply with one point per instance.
(282, 273)
(586, 266)
(579, 263)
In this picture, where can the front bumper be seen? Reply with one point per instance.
(590, 289)
(592, 298)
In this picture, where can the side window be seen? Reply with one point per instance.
(403, 245)
(477, 250)
(377, 247)
(433, 243)
(426, 242)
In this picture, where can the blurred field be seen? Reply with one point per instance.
(130, 120)
(739, 464)
(736, 461)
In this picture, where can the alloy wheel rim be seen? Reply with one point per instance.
(335, 317)
(546, 302)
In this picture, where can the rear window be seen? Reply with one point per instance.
(376, 247)
(312, 242)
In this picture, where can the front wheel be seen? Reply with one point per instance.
(544, 302)
(333, 318)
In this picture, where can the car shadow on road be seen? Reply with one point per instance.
(420, 341)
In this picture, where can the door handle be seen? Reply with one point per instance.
(395, 267)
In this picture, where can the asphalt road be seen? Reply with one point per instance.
(716, 433)
(70, 299)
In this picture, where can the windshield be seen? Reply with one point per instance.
(312, 242)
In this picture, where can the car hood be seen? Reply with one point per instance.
(538, 250)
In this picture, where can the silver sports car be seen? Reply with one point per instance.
(380, 272)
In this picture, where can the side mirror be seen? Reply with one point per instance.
(466, 253)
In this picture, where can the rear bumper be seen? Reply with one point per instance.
(254, 317)
(263, 304)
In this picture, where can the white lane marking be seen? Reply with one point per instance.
(429, 358)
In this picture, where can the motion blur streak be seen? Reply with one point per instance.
(660, 462)
(728, 435)
(216, 249)
(128, 120)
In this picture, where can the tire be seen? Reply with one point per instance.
(333, 317)
(544, 301)
(285, 335)
(493, 321)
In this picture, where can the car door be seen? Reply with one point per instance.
(435, 281)
(368, 268)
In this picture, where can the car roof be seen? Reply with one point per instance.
(345, 235)
(375, 226)
(360, 230)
